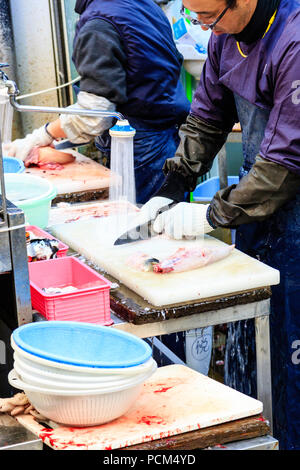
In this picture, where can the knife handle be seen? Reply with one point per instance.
(166, 208)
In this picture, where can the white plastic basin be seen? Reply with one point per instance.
(58, 384)
(38, 371)
(78, 408)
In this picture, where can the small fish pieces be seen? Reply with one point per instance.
(42, 249)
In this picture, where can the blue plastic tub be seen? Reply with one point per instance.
(13, 165)
(82, 344)
(205, 191)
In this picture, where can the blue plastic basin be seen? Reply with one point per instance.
(13, 165)
(82, 344)
(205, 191)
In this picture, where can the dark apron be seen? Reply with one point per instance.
(275, 242)
(151, 149)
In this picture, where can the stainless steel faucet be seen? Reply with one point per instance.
(13, 92)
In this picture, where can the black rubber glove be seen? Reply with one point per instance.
(200, 142)
(257, 196)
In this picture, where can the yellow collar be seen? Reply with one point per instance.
(267, 30)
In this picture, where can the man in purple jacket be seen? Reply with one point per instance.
(251, 76)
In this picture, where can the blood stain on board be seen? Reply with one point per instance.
(150, 420)
(162, 390)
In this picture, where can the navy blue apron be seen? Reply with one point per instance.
(275, 242)
(151, 149)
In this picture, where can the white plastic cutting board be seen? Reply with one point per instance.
(238, 272)
(84, 174)
(175, 400)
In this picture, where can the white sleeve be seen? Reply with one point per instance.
(80, 129)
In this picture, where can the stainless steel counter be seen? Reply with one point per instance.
(13, 436)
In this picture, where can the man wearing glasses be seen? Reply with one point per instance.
(251, 76)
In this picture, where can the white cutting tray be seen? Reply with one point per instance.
(175, 400)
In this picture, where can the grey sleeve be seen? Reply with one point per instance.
(258, 195)
(100, 59)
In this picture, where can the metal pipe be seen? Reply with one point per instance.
(3, 210)
(13, 93)
(47, 109)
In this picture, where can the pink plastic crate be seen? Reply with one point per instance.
(62, 248)
(89, 303)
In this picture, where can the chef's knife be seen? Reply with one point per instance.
(66, 144)
(141, 230)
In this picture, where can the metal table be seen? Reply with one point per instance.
(13, 436)
(252, 304)
(230, 309)
(259, 311)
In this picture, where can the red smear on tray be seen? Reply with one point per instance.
(149, 420)
(261, 418)
(162, 390)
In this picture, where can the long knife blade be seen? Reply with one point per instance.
(66, 144)
(141, 231)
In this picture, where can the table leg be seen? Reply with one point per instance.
(263, 360)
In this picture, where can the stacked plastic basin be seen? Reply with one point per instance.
(79, 374)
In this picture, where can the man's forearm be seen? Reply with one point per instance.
(257, 196)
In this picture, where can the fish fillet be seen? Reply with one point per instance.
(141, 261)
(48, 158)
(184, 259)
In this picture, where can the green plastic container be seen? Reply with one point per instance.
(32, 194)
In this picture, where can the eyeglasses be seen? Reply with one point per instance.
(198, 22)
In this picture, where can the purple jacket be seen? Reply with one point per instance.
(268, 77)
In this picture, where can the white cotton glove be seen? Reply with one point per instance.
(20, 148)
(183, 220)
(149, 210)
(81, 129)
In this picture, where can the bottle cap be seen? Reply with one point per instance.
(122, 129)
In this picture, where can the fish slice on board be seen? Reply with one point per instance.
(183, 259)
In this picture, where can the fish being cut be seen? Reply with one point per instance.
(141, 262)
(48, 158)
(187, 259)
(184, 259)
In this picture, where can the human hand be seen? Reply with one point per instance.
(183, 220)
(20, 148)
(150, 209)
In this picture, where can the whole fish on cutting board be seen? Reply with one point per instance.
(183, 259)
